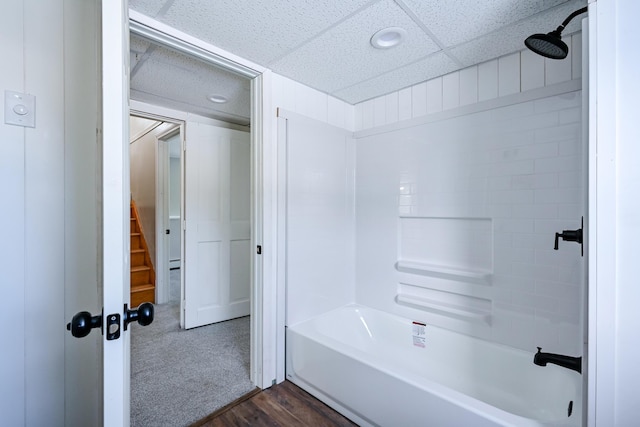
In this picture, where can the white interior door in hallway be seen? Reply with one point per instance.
(217, 220)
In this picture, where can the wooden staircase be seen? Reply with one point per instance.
(143, 276)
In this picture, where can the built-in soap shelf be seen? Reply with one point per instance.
(450, 310)
(445, 272)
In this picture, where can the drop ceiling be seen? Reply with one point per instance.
(324, 44)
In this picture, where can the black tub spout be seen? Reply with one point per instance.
(574, 363)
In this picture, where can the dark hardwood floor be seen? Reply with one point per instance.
(282, 405)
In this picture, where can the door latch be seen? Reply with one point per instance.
(83, 322)
(113, 326)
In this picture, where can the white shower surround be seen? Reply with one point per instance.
(502, 171)
(509, 161)
(456, 217)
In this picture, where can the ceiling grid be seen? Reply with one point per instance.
(324, 44)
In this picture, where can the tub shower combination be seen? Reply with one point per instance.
(368, 365)
(378, 368)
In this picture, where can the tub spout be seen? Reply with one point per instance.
(541, 359)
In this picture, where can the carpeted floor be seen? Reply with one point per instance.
(180, 376)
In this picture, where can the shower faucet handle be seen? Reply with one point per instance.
(571, 236)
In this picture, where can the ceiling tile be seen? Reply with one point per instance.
(179, 105)
(511, 39)
(425, 69)
(170, 75)
(324, 44)
(454, 22)
(138, 44)
(261, 31)
(149, 7)
(343, 56)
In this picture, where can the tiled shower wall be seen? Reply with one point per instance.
(457, 206)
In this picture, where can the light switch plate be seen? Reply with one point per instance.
(19, 109)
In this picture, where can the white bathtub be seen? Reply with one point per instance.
(363, 363)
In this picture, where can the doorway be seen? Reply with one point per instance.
(180, 375)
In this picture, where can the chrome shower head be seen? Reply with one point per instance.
(550, 45)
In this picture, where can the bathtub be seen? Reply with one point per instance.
(368, 365)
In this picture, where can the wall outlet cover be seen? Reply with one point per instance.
(19, 109)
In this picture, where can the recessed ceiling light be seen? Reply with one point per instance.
(218, 99)
(388, 37)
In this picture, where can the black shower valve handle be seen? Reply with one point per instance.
(570, 236)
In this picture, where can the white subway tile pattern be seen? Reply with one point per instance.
(521, 167)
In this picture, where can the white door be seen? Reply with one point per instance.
(217, 219)
(115, 206)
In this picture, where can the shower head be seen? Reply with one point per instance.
(550, 45)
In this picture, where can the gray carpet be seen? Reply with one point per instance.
(180, 376)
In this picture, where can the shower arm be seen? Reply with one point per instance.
(569, 18)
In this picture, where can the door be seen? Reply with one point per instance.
(115, 206)
(217, 221)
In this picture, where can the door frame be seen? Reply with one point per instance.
(162, 202)
(263, 362)
(162, 210)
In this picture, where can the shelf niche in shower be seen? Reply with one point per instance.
(459, 249)
(470, 308)
(441, 272)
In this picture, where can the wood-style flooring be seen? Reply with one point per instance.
(281, 405)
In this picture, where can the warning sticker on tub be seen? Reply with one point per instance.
(419, 332)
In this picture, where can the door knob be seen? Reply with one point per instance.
(82, 323)
(143, 314)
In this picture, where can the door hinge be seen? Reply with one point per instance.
(184, 145)
(259, 250)
(184, 225)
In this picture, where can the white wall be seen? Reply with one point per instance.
(288, 95)
(298, 98)
(614, 318)
(628, 93)
(319, 264)
(48, 176)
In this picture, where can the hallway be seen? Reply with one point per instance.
(180, 376)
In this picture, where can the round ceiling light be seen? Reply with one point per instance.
(217, 99)
(388, 37)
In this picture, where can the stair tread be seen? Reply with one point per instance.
(137, 251)
(140, 268)
(141, 288)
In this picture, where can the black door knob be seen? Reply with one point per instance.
(82, 323)
(143, 314)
